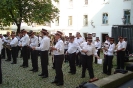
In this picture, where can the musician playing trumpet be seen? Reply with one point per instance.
(7, 44)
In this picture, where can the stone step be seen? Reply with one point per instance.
(114, 81)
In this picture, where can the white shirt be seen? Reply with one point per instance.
(44, 45)
(1, 46)
(72, 47)
(66, 44)
(125, 45)
(60, 48)
(34, 42)
(111, 49)
(3, 38)
(90, 48)
(25, 40)
(121, 45)
(106, 45)
(97, 44)
(14, 42)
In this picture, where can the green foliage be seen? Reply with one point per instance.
(38, 11)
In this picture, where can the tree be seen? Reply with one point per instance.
(29, 11)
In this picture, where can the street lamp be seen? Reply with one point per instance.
(124, 20)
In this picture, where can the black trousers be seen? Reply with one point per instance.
(14, 54)
(58, 68)
(120, 59)
(0, 71)
(72, 58)
(18, 49)
(87, 63)
(107, 64)
(3, 53)
(8, 54)
(34, 59)
(98, 53)
(25, 55)
(44, 62)
(78, 59)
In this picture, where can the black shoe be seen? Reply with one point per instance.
(35, 70)
(7, 60)
(73, 73)
(41, 75)
(108, 73)
(44, 76)
(25, 66)
(54, 81)
(31, 70)
(13, 63)
(69, 72)
(21, 65)
(59, 84)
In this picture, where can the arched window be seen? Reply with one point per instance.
(105, 18)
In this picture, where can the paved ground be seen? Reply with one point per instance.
(15, 76)
(128, 84)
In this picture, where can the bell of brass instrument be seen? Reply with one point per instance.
(7, 46)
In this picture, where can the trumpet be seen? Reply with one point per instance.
(7, 46)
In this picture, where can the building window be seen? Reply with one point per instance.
(70, 3)
(57, 21)
(70, 21)
(127, 16)
(85, 20)
(86, 2)
(105, 18)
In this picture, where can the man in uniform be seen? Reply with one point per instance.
(98, 47)
(3, 50)
(58, 51)
(8, 51)
(44, 47)
(24, 45)
(13, 44)
(34, 53)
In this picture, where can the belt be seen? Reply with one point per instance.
(72, 53)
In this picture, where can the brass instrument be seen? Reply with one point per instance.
(7, 46)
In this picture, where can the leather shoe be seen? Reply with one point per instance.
(54, 81)
(13, 63)
(59, 84)
(44, 76)
(25, 66)
(41, 75)
(69, 72)
(31, 70)
(35, 70)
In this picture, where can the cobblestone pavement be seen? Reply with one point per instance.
(15, 76)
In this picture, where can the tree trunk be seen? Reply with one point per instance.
(18, 28)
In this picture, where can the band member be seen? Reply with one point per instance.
(34, 53)
(127, 50)
(44, 47)
(14, 43)
(58, 51)
(66, 42)
(3, 50)
(121, 53)
(87, 52)
(7, 41)
(97, 44)
(1, 46)
(107, 65)
(79, 40)
(24, 45)
(72, 48)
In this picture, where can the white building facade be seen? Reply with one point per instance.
(92, 16)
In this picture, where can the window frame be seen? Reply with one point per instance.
(107, 19)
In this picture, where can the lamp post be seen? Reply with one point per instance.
(123, 20)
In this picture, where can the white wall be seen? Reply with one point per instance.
(94, 10)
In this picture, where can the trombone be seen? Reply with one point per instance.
(7, 46)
